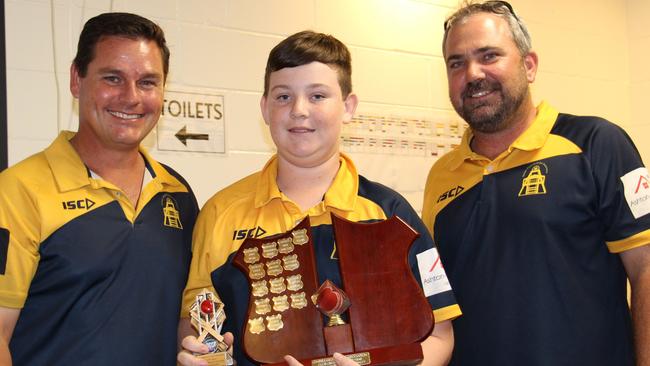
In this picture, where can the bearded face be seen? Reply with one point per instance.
(488, 76)
(489, 105)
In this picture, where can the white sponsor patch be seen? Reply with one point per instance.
(433, 276)
(637, 191)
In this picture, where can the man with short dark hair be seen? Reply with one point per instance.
(540, 216)
(96, 235)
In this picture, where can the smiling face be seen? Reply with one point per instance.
(488, 77)
(121, 96)
(305, 109)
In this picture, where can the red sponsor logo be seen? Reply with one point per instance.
(643, 182)
(435, 264)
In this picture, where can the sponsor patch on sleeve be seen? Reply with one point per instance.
(4, 249)
(637, 191)
(432, 274)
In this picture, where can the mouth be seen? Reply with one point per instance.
(475, 94)
(301, 130)
(480, 89)
(479, 94)
(127, 116)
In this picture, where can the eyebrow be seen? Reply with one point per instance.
(310, 86)
(478, 51)
(148, 75)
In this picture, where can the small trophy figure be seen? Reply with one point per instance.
(207, 316)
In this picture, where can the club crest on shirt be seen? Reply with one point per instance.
(534, 180)
(171, 215)
(334, 255)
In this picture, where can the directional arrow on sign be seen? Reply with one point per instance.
(183, 136)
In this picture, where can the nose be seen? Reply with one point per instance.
(130, 94)
(299, 108)
(474, 71)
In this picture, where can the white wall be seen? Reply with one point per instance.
(638, 12)
(222, 45)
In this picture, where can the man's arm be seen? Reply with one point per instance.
(637, 266)
(8, 319)
(438, 346)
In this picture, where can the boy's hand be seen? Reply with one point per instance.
(338, 358)
(191, 345)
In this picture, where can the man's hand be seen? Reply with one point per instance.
(338, 358)
(191, 345)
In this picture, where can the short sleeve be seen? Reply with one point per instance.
(19, 240)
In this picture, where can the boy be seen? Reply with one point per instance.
(307, 97)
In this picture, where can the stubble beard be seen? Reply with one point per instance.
(491, 117)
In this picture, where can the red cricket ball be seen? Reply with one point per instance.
(207, 306)
(328, 299)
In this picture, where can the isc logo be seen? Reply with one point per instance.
(78, 204)
(255, 232)
(450, 193)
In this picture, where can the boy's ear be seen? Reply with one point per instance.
(351, 102)
(263, 109)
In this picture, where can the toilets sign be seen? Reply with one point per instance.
(192, 121)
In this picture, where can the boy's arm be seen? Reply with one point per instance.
(438, 346)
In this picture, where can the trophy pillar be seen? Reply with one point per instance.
(333, 302)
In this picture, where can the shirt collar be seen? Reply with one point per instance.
(71, 173)
(533, 138)
(341, 195)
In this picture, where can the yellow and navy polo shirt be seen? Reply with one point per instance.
(255, 207)
(99, 281)
(528, 241)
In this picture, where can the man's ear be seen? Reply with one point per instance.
(530, 63)
(75, 80)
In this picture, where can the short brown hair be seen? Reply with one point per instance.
(120, 25)
(306, 47)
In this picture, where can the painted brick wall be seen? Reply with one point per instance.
(222, 45)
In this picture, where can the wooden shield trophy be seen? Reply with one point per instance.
(386, 311)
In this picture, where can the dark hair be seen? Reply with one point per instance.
(503, 9)
(306, 47)
(121, 25)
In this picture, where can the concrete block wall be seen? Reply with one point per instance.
(222, 45)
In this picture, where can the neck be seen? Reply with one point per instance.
(122, 168)
(492, 144)
(306, 186)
